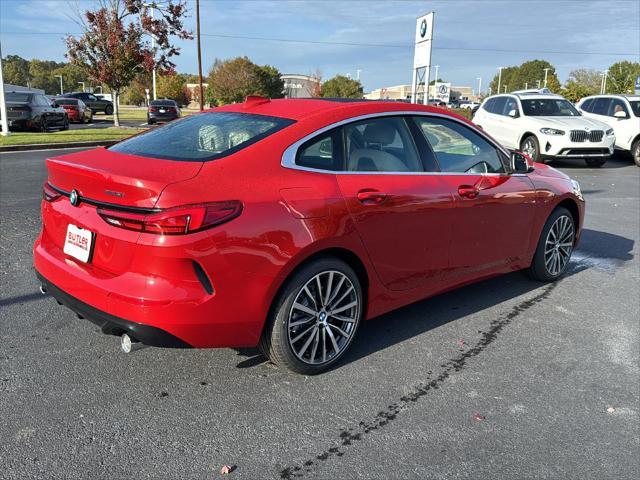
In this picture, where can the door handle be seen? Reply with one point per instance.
(371, 197)
(468, 191)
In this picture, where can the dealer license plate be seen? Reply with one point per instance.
(78, 243)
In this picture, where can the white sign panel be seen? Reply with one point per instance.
(424, 36)
(443, 92)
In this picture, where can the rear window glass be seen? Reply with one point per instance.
(168, 103)
(202, 137)
(18, 97)
(66, 101)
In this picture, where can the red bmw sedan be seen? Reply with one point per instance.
(287, 223)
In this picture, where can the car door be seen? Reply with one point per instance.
(493, 123)
(46, 110)
(493, 215)
(623, 127)
(511, 126)
(399, 211)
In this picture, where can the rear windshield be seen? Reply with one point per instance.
(66, 101)
(18, 97)
(167, 103)
(635, 106)
(202, 137)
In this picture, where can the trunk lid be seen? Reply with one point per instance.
(125, 180)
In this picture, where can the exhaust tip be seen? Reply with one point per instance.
(129, 344)
(43, 290)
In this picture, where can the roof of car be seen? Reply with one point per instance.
(300, 108)
(616, 95)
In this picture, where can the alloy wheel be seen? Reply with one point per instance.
(323, 317)
(558, 245)
(529, 148)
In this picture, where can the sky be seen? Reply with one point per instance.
(472, 38)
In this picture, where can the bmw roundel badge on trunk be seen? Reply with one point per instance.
(74, 198)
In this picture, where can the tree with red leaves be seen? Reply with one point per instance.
(115, 45)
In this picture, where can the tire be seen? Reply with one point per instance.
(531, 147)
(543, 267)
(635, 152)
(82, 120)
(595, 162)
(309, 347)
(65, 124)
(150, 122)
(90, 118)
(108, 110)
(42, 126)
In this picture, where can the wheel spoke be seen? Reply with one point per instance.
(342, 332)
(306, 290)
(307, 343)
(316, 341)
(319, 287)
(329, 283)
(336, 290)
(344, 295)
(333, 340)
(342, 318)
(298, 337)
(346, 307)
(304, 309)
(324, 345)
(300, 322)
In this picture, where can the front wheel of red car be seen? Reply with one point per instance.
(315, 317)
(555, 246)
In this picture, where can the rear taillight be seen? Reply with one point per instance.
(48, 193)
(171, 109)
(175, 221)
(153, 109)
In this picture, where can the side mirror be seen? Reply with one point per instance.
(521, 163)
(621, 114)
(513, 113)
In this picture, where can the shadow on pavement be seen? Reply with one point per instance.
(599, 250)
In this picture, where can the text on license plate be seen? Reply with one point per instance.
(78, 243)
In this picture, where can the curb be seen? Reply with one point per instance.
(51, 146)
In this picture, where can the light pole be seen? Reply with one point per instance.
(100, 87)
(499, 77)
(479, 87)
(603, 85)
(153, 48)
(61, 90)
(3, 107)
(358, 74)
(526, 85)
(546, 71)
(81, 83)
(505, 89)
(538, 82)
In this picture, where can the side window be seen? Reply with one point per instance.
(92, 98)
(42, 101)
(600, 106)
(458, 148)
(321, 152)
(81, 104)
(510, 104)
(586, 105)
(498, 106)
(488, 106)
(381, 145)
(617, 105)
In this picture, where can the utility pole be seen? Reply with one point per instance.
(436, 76)
(499, 77)
(546, 71)
(526, 85)
(81, 83)
(153, 49)
(479, 87)
(61, 90)
(199, 55)
(3, 107)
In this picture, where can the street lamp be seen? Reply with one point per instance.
(153, 48)
(505, 89)
(61, 90)
(479, 86)
(81, 83)
(538, 82)
(603, 85)
(546, 71)
(499, 77)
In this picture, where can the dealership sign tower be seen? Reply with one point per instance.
(422, 58)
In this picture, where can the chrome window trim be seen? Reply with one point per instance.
(289, 155)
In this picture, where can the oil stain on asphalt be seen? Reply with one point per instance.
(384, 417)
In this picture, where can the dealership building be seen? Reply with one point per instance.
(403, 92)
(300, 86)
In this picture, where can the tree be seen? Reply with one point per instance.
(622, 77)
(233, 80)
(112, 49)
(16, 70)
(172, 86)
(582, 83)
(341, 87)
(526, 75)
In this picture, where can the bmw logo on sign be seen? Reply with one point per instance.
(74, 198)
(423, 28)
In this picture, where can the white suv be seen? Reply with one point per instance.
(545, 126)
(620, 112)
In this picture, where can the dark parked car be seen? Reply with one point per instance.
(34, 111)
(162, 111)
(76, 109)
(94, 103)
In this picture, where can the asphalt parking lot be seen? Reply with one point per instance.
(102, 121)
(507, 378)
